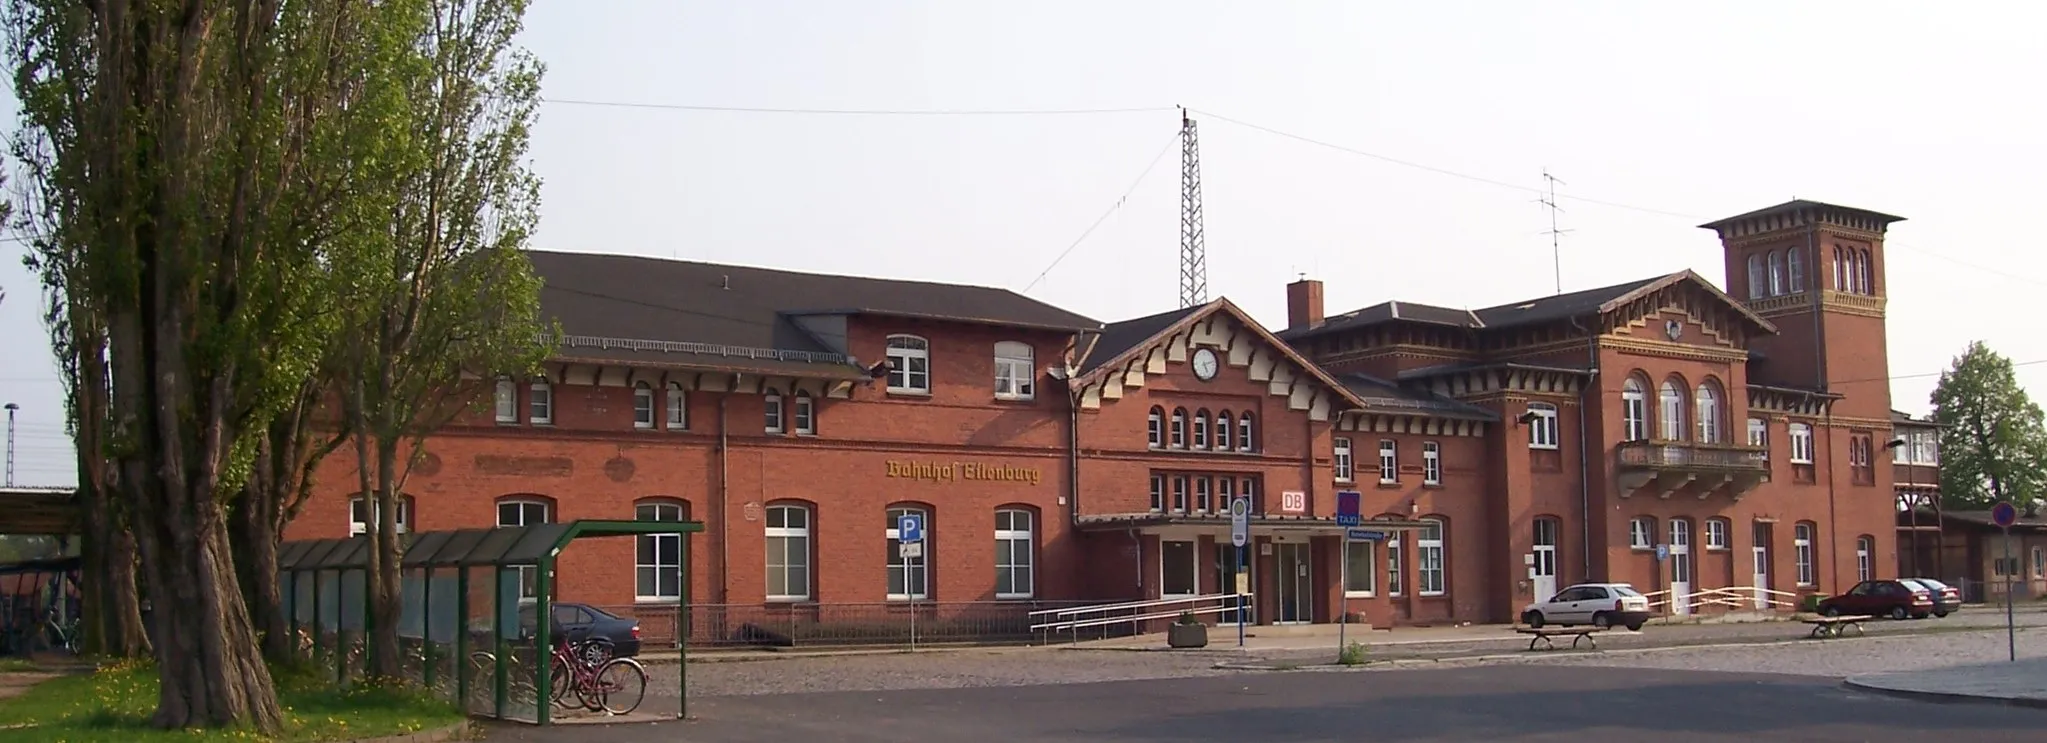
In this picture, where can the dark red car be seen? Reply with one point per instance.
(1880, 598)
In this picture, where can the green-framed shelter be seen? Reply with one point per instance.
(501, 551)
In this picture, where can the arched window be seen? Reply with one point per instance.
(1758, 282)
(1155, 428)
(1429, 573)
(678, 408)
(805, 416)
(909, 365)
(788, 552)
(1246, 433)
(540, 403)
(1776, 273)
(1201, 419)
(1224, 428)
(526, 510)
(908, 577)
(1868, 273)
(1015, 372)
(506, 397)
(643, 406)
(771, 411)
(1670, 405)
(658, 562)
(1634, 409)
(1802, 540)
(1179, 428)
(1706, 400)
(1794, 258)
(1865, 560)
(1015, 554)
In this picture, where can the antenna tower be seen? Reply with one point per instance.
(1193, 246)
(1549, 201)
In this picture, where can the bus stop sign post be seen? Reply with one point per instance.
(1240, 535)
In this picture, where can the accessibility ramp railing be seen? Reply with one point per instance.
(1049, 623)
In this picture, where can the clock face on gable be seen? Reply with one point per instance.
(1205, 364)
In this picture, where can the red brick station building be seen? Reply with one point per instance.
(1660, 432)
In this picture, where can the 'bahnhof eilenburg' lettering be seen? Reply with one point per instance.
(951, 471)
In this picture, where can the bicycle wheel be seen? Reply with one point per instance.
(622, 685)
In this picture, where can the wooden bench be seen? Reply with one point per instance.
(1543, 635)
(1825, 627)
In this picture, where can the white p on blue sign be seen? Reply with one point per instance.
(909, 528)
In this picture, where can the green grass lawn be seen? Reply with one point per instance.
(115, 703)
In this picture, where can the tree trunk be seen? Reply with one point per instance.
(385, 579)
(254, 537)
(110, 609)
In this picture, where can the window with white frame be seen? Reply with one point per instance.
(1776, 273)
(1362, 570)
(540, 403)
(908, 576)
(1158, 493)
(1204, 497)
(1716, 534)
(1225, 491)
(1706, 399)
(1758, 282)
(1542, 426)
(1339, 460)
(1389, 463)
(518, 512)
(359, 517)
(1016, 372)
(1245, 442)
(1801, 443)
(506, 397)
(643, 406)
(1155, 428)
(1428, 557)
(1248, 488)
(1393, 573)
(1180, 493)
(1432, 463)
(909, 365)
(1802, 548)
(1670, 411)
(1759, 434)
(1642, 533)
(771, 411)
(1223, 426)
(1201, 428)
(1634, 410)
(1796, 268)
(1015, 552)
(788, 552)
(1864, 564)
(805, 416)
(659, 563)
(678, 408)
(1179, 428)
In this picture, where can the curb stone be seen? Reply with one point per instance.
(452, 732)
(1944, 697)
(1520, 656)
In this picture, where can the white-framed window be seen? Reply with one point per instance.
(1180, 493)
(1670, 411)
(1201, 429)
(1759, 434)
(658, 565)
(1680, 551)
(1801, 443)
(1204, 496)
(1015, 554)
(1706, 399)
(1389, 462)
(1158, 493)
(1155, 428)
(908, 577)
(359, 517)
(506, 397)
(771, 411)
(788, 552)
(643, 406)
(1776, 273)
(1758, 284)
(1716, 533)
(540, 403)
(1179, 428)
(1432, 463)
(1802, 548)
(1361, 573)
(1394, 584)
(522, 512)
(1225, 490)
(1223, 428)
(1428, 557)
(1865, 566)
(1016, 373)
(1542, 426)
(1634, 410)
(678, 408)
(1248, 488)
(805, 416)
(1795, 263)
(1339, 460)
(909, 365)
(1642, 533)
(1245, 441)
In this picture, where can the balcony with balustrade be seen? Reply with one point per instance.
(1667, 468)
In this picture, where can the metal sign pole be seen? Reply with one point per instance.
(914, 563)
(2011, 638)
(1237, 579)
(1343, 602)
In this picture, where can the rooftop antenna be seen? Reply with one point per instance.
(1549, 202)
(1193, 246)
(11, 407)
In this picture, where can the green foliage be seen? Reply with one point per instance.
(114, 705)
(1353, 654)
(1993, 443)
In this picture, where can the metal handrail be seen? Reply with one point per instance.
(1071, 621)
(1128, 605)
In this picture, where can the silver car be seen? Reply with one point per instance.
(1598, 604)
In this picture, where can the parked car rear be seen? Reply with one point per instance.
(1946, 599)
(1880, 598)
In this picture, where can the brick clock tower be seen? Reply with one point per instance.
(1817, 272)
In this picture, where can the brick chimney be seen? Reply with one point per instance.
(1303, 303)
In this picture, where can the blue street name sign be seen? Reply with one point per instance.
(1347, 505)
(1364, 535)
(909, 528)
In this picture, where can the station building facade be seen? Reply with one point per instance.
(1660, 432)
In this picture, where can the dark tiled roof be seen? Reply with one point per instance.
(1382, 396)
(1528, 312)
(1119, 337)
(1459, 368)
(1561, 306)
(1389, 312)
(724, 316)
(1797, 205)
(1982, 518)
(1899, 416)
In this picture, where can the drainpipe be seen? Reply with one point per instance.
(1072, 454)
(1833, 522)
(1585, 397)
(724, 502)
(1137, 548)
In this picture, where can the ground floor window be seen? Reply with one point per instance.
(658, 565)
(1177, 569)
(1361, 568)
(788, 552)
(523, 512)
(1014, 554)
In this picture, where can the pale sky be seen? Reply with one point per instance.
(1654, 117)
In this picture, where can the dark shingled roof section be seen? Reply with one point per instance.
(1119, 337)
(1797, 205)
(1388, 312)
(1382, 396)
(712, 313)
(1528, 312)
(1561, 306)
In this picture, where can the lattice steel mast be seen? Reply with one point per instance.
(1556, 247)
(1193, 247)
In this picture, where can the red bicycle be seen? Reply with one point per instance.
(600, 682)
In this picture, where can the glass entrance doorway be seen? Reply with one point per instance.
(1293, 587)
(1226, 575)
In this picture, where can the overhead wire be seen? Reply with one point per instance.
(1113, 208)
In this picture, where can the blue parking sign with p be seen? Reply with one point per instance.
(909, 528)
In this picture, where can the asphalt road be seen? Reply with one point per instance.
(1524, 704)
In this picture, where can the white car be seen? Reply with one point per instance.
(1598, 604)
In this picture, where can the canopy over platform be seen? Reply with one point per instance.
(462, 548)
(51, 511)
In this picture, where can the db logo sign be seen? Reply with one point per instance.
(1293, 501)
